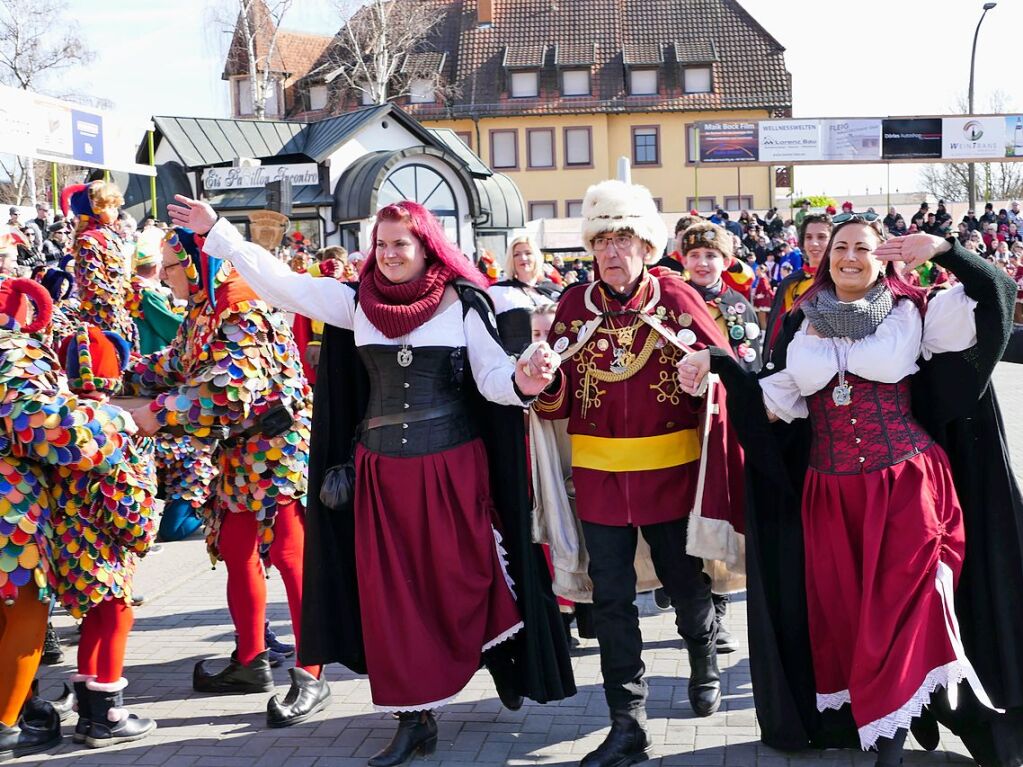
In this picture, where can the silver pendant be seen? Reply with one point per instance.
(405, 356)
(842, 394)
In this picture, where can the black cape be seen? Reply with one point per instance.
(331, 621)
(952, 398)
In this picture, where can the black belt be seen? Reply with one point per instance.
(412, 416)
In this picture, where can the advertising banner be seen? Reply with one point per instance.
(851, 140)
(258, 176)
(729, 142)
(59, 131)
(789, 140)
(912, 138)
(973, 137)
(1014, 136)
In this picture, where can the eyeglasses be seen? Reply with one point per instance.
(865, 218)
(167, 267)
(621, 242)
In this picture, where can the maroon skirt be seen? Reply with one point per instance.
(883, 550)
(433, 588)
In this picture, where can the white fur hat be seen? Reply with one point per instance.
(611, 206)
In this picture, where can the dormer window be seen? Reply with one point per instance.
(575, 82)
(421, 91)
(643, 82)
(696, 58)
(423, 70)
(525, 85)
(317, 97)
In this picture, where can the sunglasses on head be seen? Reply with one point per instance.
(864, 218)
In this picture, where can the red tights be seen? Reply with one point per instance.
(104, 639)
(246, 583)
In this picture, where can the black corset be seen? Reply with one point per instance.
(432, 380)
(515, 327)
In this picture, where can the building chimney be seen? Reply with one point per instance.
(485, 13)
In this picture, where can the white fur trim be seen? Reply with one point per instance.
(117, 714)
(716, 539)
(117, 686)
(75, 678)
(504, 636)
(614, 205)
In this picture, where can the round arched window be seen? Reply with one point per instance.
(426, 186)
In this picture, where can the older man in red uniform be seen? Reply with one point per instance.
(636, 448)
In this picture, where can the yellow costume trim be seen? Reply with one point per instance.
(635, 453)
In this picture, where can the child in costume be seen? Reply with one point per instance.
(100, 530)
(46, 432)
(233, 374)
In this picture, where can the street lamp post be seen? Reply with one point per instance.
(973, 63)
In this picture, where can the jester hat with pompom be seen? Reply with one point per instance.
(95, 360)
(25, 306)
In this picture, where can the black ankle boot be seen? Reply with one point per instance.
(53, 653)
(501, 665)
(82, 701)
(567, 619)
(925, 730)
(111, 723)
(37, 709)
(29, 738)
(416, 734)
(627, 743)
(704, 682)
(236, 679)
(306, 696)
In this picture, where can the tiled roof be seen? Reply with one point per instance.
(423, 62)
(294, 52)
(748, 63)
(695, 52)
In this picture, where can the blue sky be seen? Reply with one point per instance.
(870, 58)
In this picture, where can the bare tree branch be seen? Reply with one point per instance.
(255, 27)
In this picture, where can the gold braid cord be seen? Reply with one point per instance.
(590, 391)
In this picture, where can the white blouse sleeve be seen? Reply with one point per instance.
(318, 298)
(492, 368)
(950, 324)
(783, 397)
(890, 353)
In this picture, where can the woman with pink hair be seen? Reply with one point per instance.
(409, 582)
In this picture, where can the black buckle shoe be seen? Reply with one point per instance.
(704, 682)
(306, 696)
(627, 743)
(236, 679)
(36, 710)
(416, 735)
(53, 653)
(29, 738)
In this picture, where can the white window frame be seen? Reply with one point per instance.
(319, 96)
(702, 80)
(524, 85)
(577, 90)
(588, 133)
(422, 90)
(243, 97)
(511, 135)
(638, 88)
(553, 206)
(531, 153)
(574, 209)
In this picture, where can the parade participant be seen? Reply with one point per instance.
(232, 374)
(882, 525)
(148, 301)
(53, 435)
(814, 234)
(635, 452)
(763, 296)
(433, 594)
(102, 263)
(100, 529)
(516, 297)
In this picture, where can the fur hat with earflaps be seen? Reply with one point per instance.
(614, 206)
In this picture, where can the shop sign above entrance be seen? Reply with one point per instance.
(217, 179)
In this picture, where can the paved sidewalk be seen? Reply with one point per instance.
(185, 620)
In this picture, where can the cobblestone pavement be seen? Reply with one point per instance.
(185, 619)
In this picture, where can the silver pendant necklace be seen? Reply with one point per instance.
(841, 395)
(404, 353)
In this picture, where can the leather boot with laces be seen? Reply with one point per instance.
(416, 735)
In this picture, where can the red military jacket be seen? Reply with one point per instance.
(635, 435)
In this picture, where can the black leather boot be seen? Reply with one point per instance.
(53, 653)
(82, 706)
(236, 679)
(37, 709)
(925, 730)
(29, 738)
(627, 743)
(306, 696)
(501, 665)
(416, 734)
(704, 681)
(111, 723)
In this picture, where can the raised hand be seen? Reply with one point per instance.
(192, 214)
(913, 249)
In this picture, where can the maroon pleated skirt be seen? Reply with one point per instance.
(433, 587)
(883, 550)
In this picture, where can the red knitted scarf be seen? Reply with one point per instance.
(398, 309)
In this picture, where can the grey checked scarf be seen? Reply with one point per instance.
(832, 318)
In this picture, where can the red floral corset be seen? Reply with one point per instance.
(874, 431)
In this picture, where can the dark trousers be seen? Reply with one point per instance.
(612, 553)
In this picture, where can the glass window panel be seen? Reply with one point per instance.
(525, 84)
(577, 147)
(697, 80)
(541, 149)
(576, 82)
(503, 145)
(643, 82)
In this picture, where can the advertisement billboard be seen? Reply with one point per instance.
(789, 140)
(851, 139)
(972, 137)
(915, 138)
(1014, 136)
(729, 142)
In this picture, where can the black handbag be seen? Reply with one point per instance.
(337, 492)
